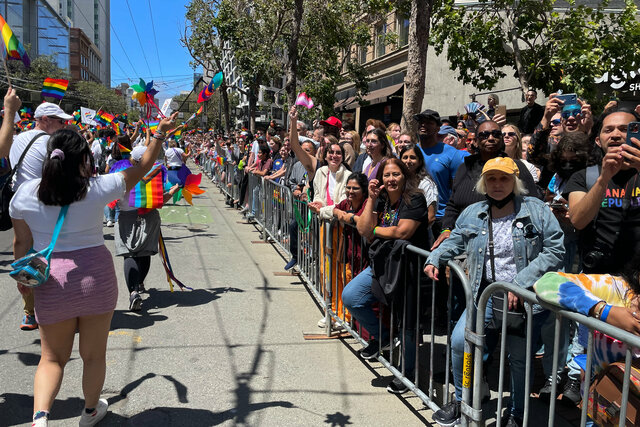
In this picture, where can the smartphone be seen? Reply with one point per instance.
(559, 206)
(633, 131)
(501, 109)
(568, 98)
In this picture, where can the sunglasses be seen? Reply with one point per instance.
(353, 188)
(570, 113)
(510, 134)
(485, 134)
(555, 122)
(334, 153)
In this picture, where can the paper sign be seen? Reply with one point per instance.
(87, 115)
(166, 107)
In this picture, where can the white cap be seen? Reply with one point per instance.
(137, 152)
(51, 110)
(304, 139)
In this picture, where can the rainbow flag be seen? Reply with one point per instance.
(199, 110)
(54, 88)
(123, 149)
(153, 124)
(148, 193)
(103, 117)
(14, 48)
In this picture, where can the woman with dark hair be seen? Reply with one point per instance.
(414, 160)
(261, 168)
(81, 292)
(395, 210)
(378, 150)
(348, 211)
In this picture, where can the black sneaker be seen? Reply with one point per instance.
(448, 415)
(571, 392)
(135, 301)
(396, 386)
(371, 351)
(545, 391)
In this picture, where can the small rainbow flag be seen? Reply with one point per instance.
(14, 48)
(103, 117)
(54, 88)
(148, 193)
(199, 109)
(123, 149)
(153, 124)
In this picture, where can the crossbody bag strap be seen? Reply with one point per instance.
(46, 253)
(491, 254)
(24, 153)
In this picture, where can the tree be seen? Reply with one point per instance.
(201, 40)
(419, 26)
(546, 47)
(95, 95)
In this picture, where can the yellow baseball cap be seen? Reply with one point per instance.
(502, 164)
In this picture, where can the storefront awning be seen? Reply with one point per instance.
(377, 96)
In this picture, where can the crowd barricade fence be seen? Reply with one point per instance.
(474, 415)
(278, 214)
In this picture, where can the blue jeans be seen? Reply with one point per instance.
(358, 299)
(255, 202)
(111, 214)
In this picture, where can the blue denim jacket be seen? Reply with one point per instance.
(537, 241)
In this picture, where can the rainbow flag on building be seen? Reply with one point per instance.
(54, 88)
(13, 47)
(148, 193)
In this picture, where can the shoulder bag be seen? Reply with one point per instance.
(32, 270)
(6, 192)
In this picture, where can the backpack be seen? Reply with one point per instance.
(605, 395)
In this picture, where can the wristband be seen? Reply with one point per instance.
(597, 310)
(374, 230)
(445, 231)
(605, 312)
(159, 136)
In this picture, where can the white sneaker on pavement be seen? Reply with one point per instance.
(95, 417)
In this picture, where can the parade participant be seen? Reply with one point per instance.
(82, 273)
(498, 249)
(49, 118)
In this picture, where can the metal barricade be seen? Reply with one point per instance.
(350, 261)
(278, 213)
(475, 415)
(308, 247)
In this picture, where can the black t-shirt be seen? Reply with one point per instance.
(616, 232)
(416, 210)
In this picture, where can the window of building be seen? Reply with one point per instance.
(381, 33)
(53, 36)
(403, 30)
(362, 54)
(269, 96)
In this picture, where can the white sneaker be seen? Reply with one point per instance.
(110, 223)
(97, 415)
(40, 422)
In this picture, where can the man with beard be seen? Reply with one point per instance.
(441, 160)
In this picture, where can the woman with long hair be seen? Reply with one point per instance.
(413, 158)
(81, 292)
(395, 210)
(513, 147)
(378, 150)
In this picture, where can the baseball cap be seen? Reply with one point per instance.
(332, 121)
(428, 114)
(447, 130)
(51, 110)
(137, 152)
(305, 139)
(502, 164)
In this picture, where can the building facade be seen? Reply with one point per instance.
(85, 60)
(40, 28)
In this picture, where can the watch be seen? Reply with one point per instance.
(352, 220)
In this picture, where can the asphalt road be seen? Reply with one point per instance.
(230, 352)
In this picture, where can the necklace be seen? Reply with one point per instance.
(389, 216)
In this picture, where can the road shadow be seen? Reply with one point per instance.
(189, 236)
(125, 319)
(159, 299)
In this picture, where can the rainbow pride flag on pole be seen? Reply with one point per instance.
(54, 88)
(14, 49)
(104, 117)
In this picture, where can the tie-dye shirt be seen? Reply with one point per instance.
(580, 292)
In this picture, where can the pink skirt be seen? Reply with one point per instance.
(81, 283)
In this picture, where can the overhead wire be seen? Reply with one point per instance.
(115, 33)
(135, 27)
(155, 40)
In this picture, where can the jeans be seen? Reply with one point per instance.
(358, 299)
(255, 202)
(576, 348)
(112, 214)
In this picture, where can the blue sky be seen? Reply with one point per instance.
(170, 72)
